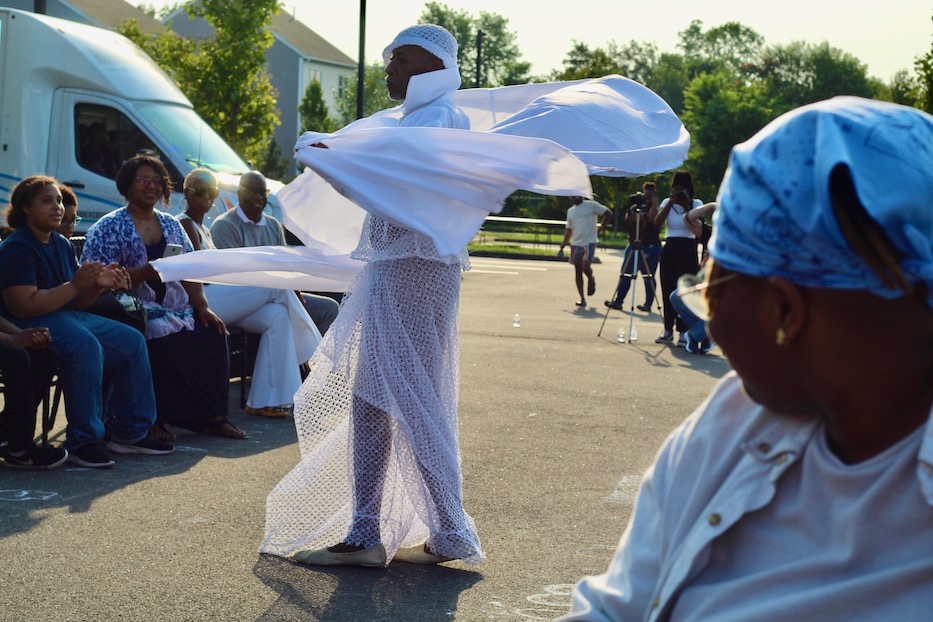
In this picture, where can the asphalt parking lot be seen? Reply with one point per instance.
(557, 424)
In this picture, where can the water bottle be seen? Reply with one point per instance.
(516, 321)
(620, 336)
(633, 336)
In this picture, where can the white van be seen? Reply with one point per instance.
(76, 101)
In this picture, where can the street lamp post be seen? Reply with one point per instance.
(479, 57)
(361, 68)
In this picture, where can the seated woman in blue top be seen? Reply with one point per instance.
(43, 285)
(187, 341)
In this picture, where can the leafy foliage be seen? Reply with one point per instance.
(313, 110)
(499, 58)
(375, 95)
(720, 112)
(224, 76)
(924, 68)
(801, 73)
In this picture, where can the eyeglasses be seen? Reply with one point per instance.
(71, 222)
(200, 191)
(263, 192)
(692, 290)
(145, 182)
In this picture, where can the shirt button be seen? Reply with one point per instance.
(764, 447)
(657, 601)
(715, 519)
(781, 459)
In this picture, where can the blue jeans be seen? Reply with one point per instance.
(652, 255)
(322, 309)
(696, 328)
(88, 346)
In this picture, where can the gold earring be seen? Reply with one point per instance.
(780, 336)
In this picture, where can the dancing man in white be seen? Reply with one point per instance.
(380, 475)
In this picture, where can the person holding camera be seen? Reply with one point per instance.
(698, 340)
(583, 235)
(644, 236)
(679, 255)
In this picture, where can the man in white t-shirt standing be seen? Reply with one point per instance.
(582, 235)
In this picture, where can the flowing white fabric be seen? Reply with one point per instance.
(293, 267)
(614, 125)
(439, 182)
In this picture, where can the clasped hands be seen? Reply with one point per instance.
(33, 338)
(98, 274)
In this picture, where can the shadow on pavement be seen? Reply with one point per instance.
(348, 594)
(26, 495)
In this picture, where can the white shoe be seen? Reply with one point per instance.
(373, 557)
(420, 555)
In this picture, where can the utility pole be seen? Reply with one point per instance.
(361, 68)
(479, 58)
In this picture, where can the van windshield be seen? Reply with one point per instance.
(191, 138)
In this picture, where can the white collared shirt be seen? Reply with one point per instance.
(249, 221)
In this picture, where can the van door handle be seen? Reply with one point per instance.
(73, 184)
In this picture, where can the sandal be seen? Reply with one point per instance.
(161, 432)
(273, 412)
(221, 426)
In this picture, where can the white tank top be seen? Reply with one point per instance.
(676, 227)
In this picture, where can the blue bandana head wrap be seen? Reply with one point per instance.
(775, 215)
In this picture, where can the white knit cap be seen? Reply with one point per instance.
(435, 39)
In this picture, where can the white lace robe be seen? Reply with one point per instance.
(377, 416)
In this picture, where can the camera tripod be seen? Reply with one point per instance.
(630, 268)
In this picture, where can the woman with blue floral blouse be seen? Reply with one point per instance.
(187, 341)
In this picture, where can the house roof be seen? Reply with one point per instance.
(306, 41)
(111, 13)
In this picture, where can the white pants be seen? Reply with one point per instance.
(288, 337)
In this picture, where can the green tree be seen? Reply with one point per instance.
(903, 88)
(160, 13)
(635, 60)
(517, 72)
(313, 110)
(500, 58)
(730, 45)
(272, 163)
(668, 79)
(720, 112)
(224, 76)
(801, 73)
(375, 95)
(582, 62)
(924, 67)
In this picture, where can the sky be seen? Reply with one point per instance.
(886, 35)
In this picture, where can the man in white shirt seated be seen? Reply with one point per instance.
(247, 225)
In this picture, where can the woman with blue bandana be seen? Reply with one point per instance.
(803, 487)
